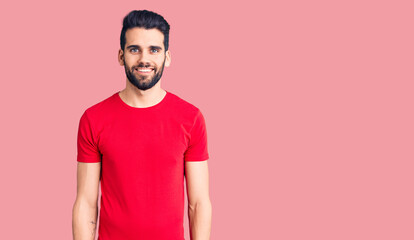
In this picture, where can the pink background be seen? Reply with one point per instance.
(308, 106)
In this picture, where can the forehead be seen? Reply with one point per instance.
(144, 37)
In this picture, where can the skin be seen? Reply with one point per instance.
(142, 91)
(199, 204)
(85, 208)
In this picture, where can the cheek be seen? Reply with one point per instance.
(128, 66)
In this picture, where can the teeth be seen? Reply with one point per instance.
(145, 70)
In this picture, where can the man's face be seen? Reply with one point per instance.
(144, 57)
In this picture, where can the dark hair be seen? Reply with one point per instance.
(145, 19)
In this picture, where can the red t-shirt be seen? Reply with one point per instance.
(142, 151)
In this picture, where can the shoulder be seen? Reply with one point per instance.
(183, 105)
(100, 108)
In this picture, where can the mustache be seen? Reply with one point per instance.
(143, 66)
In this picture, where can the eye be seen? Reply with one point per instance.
(132, 50)
(155, 50)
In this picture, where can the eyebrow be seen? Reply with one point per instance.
(152, 46)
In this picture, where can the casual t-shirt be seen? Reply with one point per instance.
(142, 152)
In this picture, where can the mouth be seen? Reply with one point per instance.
(144, 70)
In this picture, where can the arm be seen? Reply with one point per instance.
(199, 205)
(85, 209)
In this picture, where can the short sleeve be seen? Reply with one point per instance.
(197, 148)
(86, 144)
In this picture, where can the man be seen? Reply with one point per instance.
(139, 144)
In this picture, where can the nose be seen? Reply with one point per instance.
(143, 60)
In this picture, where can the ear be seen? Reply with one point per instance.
(167, 58)
(121, 57)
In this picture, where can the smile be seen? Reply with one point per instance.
(144, 70)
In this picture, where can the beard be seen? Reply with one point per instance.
(144, 82)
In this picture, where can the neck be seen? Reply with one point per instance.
(141, 99)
